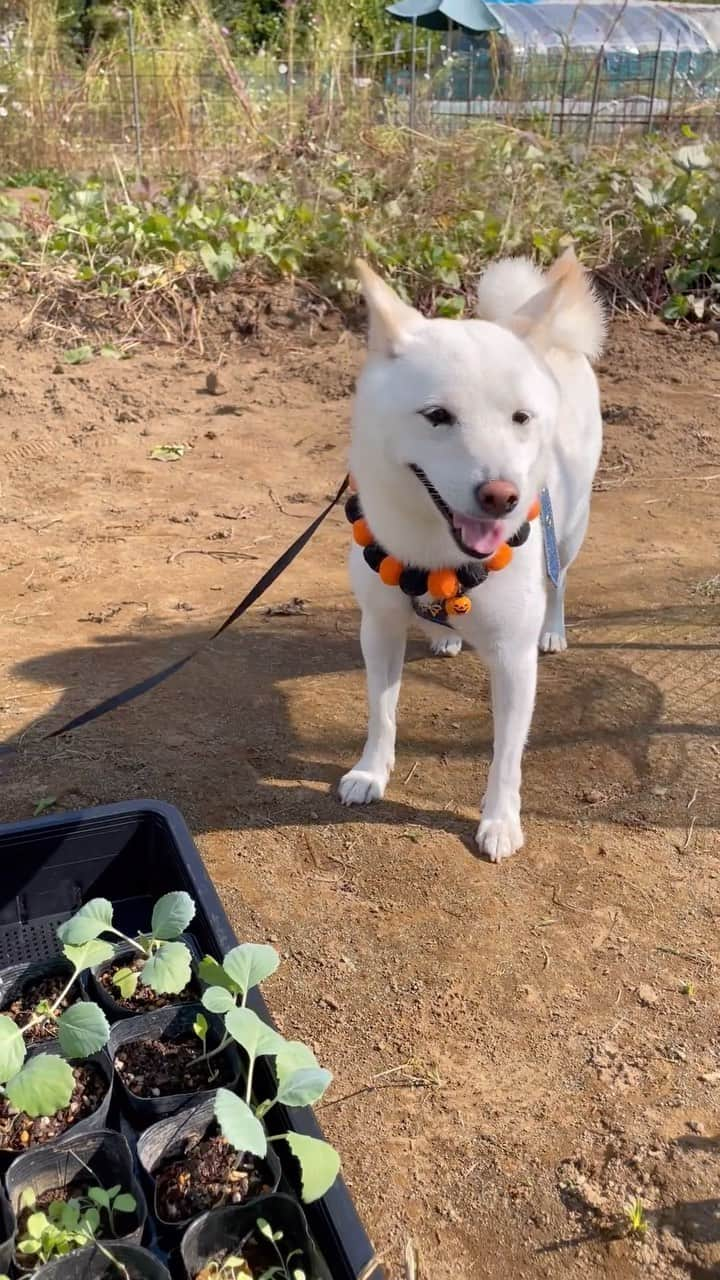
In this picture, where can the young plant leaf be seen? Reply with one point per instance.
(303, 1087)
(99, 1197)
(43, 1086)
(249, 964)
(126, 982)
(124, 1203)
(172, 915)
(12, 1049)
(78, 355)
(294, 1055)
(255, 1037)
(88, 923)
(213, 974)
(88, 954)
(218, 1000)
(319, 1164)
(238, 1125)
(167, 452)
(168, 969)
(200, 1027)
(82, 1029)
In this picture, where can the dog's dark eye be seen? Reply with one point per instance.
(521, 417)
(438, 417)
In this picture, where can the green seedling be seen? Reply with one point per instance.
(301, 1081)
(42, 1085)
(236, 1268)
(72, 1224)
(637, 1223)
(167, 961)
(687, 989)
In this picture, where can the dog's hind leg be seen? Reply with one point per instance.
(513, 679)
(443, 642)
(382, 636)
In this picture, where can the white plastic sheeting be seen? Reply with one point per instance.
(619, 26)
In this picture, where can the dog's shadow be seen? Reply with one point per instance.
(266, 720)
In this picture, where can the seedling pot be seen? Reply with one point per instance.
(97, 1119)
(17, 977)
(92, 1264)
(116, 1011)
(171, 1023)
(223, 1231)
(167, 1140)
(104, 1153)
(7, 1232)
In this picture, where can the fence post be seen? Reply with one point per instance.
(671, 85)
(135, 94)
(413, 71)
(653, 87)
(595, 96)
(563, 90)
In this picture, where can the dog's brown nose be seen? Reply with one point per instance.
(497, 497)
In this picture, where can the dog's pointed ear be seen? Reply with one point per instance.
(391, 320)
(536, 319)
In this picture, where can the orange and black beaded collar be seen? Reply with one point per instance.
(447, 586)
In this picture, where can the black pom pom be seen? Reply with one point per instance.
(521, 536)
(413, 582)
(373, 556)
(353, 510)
(471, 575)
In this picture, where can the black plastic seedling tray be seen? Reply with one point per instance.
(132, 853)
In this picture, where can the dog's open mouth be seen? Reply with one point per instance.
(475, 536)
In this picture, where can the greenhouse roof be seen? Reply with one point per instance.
(630, 26)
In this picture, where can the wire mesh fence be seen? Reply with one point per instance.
(165, 110)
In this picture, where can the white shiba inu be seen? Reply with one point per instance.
(457, 426)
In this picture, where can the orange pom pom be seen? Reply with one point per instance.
(390, 570)
(443, 583)
(501, 559)
(361, 533)
(534, 511)
(459, 604)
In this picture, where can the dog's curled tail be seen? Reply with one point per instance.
(518, 295)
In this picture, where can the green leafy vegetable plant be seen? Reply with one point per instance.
(167, 961)
(235, 1267)
(42, 1085)
(70, 1224)
(301, 1081)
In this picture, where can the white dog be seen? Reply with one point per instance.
(458, 424)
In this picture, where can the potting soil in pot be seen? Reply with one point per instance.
(209, 1173)
(144, 999)
(18, 1131)
(159, 1068)
(25, 1005)
(257, 1254)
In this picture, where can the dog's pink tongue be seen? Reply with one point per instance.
(481, 536)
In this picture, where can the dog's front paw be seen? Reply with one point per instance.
(359, 786)
(553, 642)
(446, 646)
(499, 837)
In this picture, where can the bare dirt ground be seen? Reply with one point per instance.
(518, 1050)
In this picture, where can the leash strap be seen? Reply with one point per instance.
(547, 520)
(151, 682)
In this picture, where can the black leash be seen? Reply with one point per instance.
(151, 682)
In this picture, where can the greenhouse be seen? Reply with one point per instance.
(634, 61)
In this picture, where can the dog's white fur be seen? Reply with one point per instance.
(529, 352)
